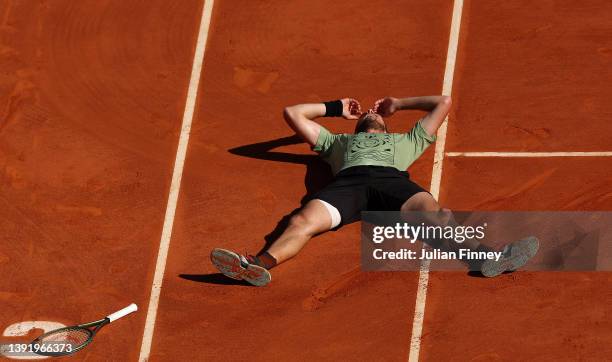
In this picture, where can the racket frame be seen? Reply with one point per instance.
(86, 327)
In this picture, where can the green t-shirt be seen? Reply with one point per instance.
(397, 150)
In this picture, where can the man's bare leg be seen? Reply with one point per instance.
(515, 254)
(311, 220)
(423, 201)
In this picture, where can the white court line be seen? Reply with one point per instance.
(177, 174)
(436, 177)
(528, 154)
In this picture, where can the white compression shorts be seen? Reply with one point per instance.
(333, 213)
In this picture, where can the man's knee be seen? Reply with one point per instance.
(298, 220)
(427, 210)
(422, 201)
(304, 224)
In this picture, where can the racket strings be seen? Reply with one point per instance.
(74, 336)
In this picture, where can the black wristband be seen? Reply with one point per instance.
(333, 108)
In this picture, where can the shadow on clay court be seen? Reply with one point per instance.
(214, 278)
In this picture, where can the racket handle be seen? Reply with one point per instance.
(122, 313)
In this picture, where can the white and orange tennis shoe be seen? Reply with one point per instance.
(239, 267)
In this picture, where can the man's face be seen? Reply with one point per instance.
(370, 123)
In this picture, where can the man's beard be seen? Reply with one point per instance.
(369, 124)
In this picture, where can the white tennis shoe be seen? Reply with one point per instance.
(514, 256)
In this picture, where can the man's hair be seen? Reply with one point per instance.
(367, 122)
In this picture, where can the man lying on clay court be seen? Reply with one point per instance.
(369, 168)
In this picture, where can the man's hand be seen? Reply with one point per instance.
(385, 106)
(437, 108)
(351, 109)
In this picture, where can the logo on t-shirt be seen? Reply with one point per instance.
(378, 147)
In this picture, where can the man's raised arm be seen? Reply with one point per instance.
(436, 106)
(300, 117)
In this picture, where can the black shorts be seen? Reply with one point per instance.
(367, 188)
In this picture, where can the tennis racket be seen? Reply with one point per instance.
(68, 340)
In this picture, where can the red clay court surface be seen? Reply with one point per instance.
(92, 96)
